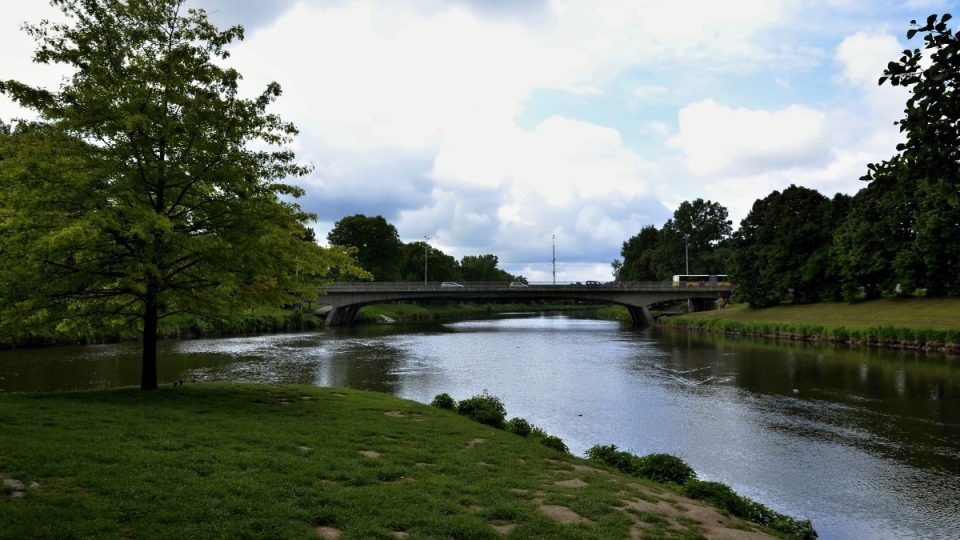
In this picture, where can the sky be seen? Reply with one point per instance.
(516, 127)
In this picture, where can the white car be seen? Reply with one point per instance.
(451, 285)
(517, 284)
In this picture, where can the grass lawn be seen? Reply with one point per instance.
(256, 461)
(918, 313)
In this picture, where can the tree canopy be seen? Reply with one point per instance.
(377, 243)
(148, 187)
(694, 236)
(931, 153)
(781, 252)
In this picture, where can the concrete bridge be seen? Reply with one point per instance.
(346, 299)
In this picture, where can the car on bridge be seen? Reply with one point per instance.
(517, 284)
(450, 285)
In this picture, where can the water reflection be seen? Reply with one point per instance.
(863, 442)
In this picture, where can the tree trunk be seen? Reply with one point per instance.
(148, 368)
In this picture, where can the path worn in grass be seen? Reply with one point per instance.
(230, 461)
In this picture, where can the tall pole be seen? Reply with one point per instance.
(554, 259)
(426, 247)
(686, 255)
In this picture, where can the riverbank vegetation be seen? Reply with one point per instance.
(250, 321)
(920, 323)
(240, 461)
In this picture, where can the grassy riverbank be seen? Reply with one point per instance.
(425, 312)
(922, 323)
(251, 461)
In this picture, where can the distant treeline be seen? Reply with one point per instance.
(380, 252)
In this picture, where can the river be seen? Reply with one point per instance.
(865, 443)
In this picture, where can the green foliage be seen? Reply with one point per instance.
(484, 268)
(637, 253)
(664, 468)
(931, 153)
(484, 408)
(444, 401)
(440, 266)
(698, 230)
(550, 441)
(718, 494)
(519, 426)
(618, 459)
(723, 497)
(376, 241)
(150, 188)
(781, 251)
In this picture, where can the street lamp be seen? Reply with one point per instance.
(426, 248)
(554, 259)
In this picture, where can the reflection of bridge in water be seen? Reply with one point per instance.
(346, 299)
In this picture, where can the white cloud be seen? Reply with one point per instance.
(716, 138)
(16, 53)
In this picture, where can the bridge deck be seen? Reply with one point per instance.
(346, 299)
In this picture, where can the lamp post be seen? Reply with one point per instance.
(554, 259)
(426, 248)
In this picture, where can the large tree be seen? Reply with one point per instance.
(440, 266)
(638, 253)
(484, 268)
(931, 153)
(377, 243)
(696, 234)
(781, 251)
(148, 187)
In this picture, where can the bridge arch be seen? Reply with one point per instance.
(346, 299)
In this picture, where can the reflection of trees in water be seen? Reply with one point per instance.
(366, 364)
(901, 404)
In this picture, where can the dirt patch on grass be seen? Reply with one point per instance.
(372, 454)
(304, 448)
(329, 533)
(475, 442)
(561, 514)
(571, 483)
(504, 530)
(684, 514)
(394, 414)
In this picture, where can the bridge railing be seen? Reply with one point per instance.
(417, 286)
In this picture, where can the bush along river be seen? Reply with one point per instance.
(865, 443)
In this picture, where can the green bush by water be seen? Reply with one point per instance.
(444, 401)
(666, 468)
(485, 409)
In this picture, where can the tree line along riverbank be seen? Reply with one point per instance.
(286, 461)
(931, 324)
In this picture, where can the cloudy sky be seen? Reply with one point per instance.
(493, 126)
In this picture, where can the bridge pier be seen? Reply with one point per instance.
(641, 316)
(342, 315)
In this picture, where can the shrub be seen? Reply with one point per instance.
(550, 441)
(618, 459)
(485, 409)
(720, 495)
(519, 426)
(723, 497)
(665, 468)
(444, 401)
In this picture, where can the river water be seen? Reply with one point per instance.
(865, 443)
